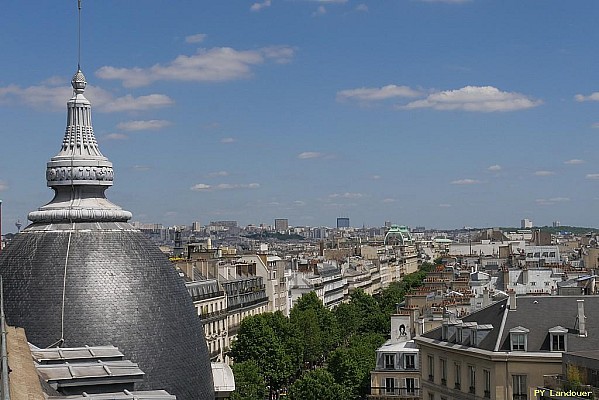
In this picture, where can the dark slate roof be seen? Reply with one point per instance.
(120, 290)
(538, 314)
(541, 313)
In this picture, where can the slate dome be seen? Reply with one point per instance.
(80, 274)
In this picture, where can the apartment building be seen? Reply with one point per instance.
(505, 350)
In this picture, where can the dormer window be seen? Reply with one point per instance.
(557, 338)
(518, 338)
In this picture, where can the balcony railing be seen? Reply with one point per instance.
(380, 393)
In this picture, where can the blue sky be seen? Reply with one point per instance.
(437, 113)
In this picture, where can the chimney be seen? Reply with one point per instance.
(582, 329)
(512, 302)
(486, 297)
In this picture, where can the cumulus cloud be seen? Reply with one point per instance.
(227, 140)
(465, 182)
(309, 154)
(152, 124)
(591, 97)
(375, 177)
(203, 187)
(377, 94)
(544, 173)
(362, 7)
(389, 200)
(260, 6)
(592, 176)
(207, 65)
(141, 168)
(197, 38)
(3, 186)
(115, 136)
(476, 99)
(299, 203)
(494, 168)
(574, 161)
(48, 97)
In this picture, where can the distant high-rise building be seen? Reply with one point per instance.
(525, 223)
(388, 224)
(556, 224)
(196, 226)
(281, 224)
(343, 222)
(226, 224)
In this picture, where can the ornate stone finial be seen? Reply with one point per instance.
(78, 82)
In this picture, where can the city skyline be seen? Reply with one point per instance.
(435, 113)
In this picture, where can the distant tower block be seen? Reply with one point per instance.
(526, 224)
(281, 224)
(196, 226)
(342, 222)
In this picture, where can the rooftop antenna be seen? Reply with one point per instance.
(79, 36)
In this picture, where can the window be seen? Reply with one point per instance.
(410, 361)
(552, 254)
(533, 283)
(431, 368)
(431, 396)
(389, 361)
(458, 376)
(519, 387)
(558, 342)
(472, 378)
(390, 385)
(410, 385)
(443, 371)
(518, 342)
(487, 376)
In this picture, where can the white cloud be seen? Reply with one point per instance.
(54, 98)
(207, 65)
(141, 168)
(595, 125)
(362, 7)
(592, 176)
(376, 94)
(321, 10)
(299, 203)
(331, 1)
(375, 177)
(228, 140)
(475, 98)
(444, 205)
(3, 186)
(218, 173)
(202, 187)
(152, 124)
(544, 173)
(465, 182)
(574, 161)
(115, 136)
(551, 201)
(495, 168)
(309, 154)
(591, 97)
(346, 195)
(389, 200)
(260, 6)
(197, 38)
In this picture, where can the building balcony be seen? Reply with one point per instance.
(558, 383)
(384, 393)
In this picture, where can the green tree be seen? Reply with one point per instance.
(258, 341)
(316, 327)
(351, 366)
(317, 385)
(249, 382)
